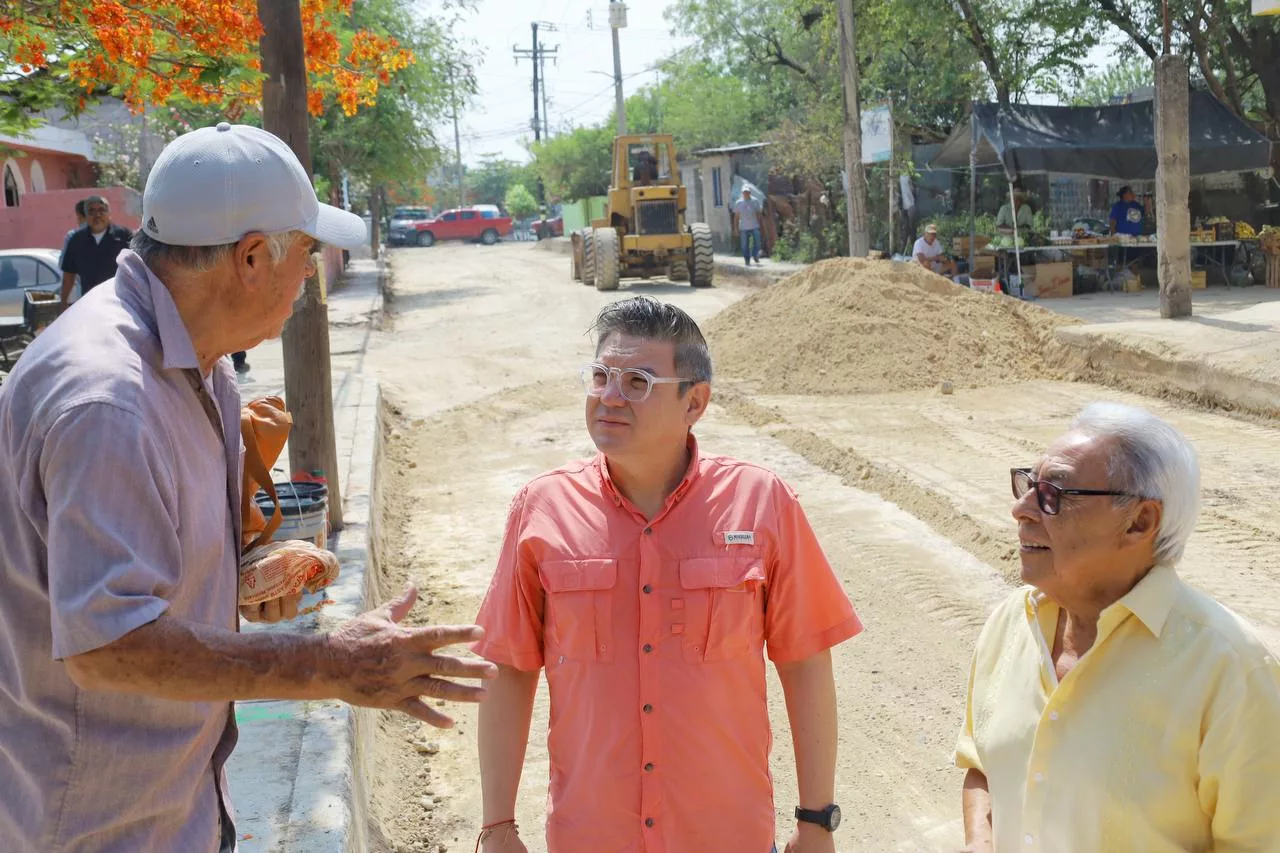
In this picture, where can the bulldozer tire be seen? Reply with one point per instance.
(575, 262)
(679, 269)
(702, 260)
(607, 260)
(588, 276)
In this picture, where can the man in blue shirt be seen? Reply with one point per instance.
(1126, 214)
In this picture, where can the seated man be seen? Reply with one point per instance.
(929, 253)
(1111, 707)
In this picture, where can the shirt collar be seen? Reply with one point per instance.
(175, 341)
(1150, 600)
(690, 475)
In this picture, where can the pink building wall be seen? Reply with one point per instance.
(42, 220)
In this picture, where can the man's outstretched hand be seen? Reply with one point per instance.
(375, 662)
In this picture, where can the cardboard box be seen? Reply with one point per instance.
(960, 245)
(1199, 279)
(1054, 281)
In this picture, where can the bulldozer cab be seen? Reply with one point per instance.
(644, 161)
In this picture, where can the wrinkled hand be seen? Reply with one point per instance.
(276, 610)
(377, 663)
(504, 839)
(811, 838)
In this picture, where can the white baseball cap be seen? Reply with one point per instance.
(214, 185)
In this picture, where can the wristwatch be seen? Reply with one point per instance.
(828, 818)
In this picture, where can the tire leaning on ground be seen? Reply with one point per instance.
(607, 259)
(489, 237)
(702, 258)
(588, 257)
(426, 238)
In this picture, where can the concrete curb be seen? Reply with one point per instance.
(757, 276)
(1203, 380)
(299, 775)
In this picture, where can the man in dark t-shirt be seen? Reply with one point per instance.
(91, 251)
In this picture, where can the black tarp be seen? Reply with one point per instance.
(1101, 142)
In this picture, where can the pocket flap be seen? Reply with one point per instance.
(578, 575)
(719, 572)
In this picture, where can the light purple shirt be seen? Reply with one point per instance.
(116, 506)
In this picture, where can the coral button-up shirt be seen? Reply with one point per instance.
(652, 634)
(1164, 737)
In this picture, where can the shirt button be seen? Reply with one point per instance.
(1029, 839)
(648, 768)
(648, 821)
(646, 589)
(648, 530)
(647, 648)
(1053, 715)
(648, 709)
(1039, 777)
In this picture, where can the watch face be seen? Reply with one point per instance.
(833, 820)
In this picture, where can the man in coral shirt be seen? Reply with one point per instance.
(648, 581)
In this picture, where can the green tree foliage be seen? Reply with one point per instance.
(577, 164)
(1099, 88)
(701, 106)
(489, 182)
(391, 147)
(520, 203)
(1234, 51)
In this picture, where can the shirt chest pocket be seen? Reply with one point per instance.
(579, 613)
(724, 603)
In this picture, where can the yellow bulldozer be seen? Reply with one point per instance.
(644, 233)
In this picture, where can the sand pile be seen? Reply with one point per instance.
(852, 326)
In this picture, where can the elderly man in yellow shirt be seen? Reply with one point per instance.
(1111, 707)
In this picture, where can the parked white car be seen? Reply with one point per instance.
(24, 269)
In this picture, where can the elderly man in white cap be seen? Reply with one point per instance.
(120, 653)
(930, 254)
(1112, 708)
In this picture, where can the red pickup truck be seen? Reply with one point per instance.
(485, 224)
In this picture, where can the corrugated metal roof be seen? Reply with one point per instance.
(732, 149)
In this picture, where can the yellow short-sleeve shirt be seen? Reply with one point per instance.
(1164, 737)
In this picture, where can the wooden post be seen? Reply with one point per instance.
(307, 383)
(375, 225)
(1173, 186)
(973, 188)
(856, 191)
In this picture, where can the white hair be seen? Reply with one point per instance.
(205, 258)
(1153, 461)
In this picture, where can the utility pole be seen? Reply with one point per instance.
(1173, 182)
(457, 138)
(617, 21)
(856, 191)
(307, 381)
(543, 53)
(536, 54)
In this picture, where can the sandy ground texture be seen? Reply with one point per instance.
(907, 489)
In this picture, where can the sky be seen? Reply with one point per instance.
(580, 83)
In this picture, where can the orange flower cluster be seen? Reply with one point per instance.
(207, 50)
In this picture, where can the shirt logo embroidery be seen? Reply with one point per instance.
(740, 537)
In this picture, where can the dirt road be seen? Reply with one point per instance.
(908, 493)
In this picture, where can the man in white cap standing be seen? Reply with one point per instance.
(120, 653)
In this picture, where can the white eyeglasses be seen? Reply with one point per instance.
(634, 385)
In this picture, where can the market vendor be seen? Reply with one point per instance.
(1019, 208)
(1126, 213)
(929, 253)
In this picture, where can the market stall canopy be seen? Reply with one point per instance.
(1101, 142)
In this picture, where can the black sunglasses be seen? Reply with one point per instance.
(1049, 495)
